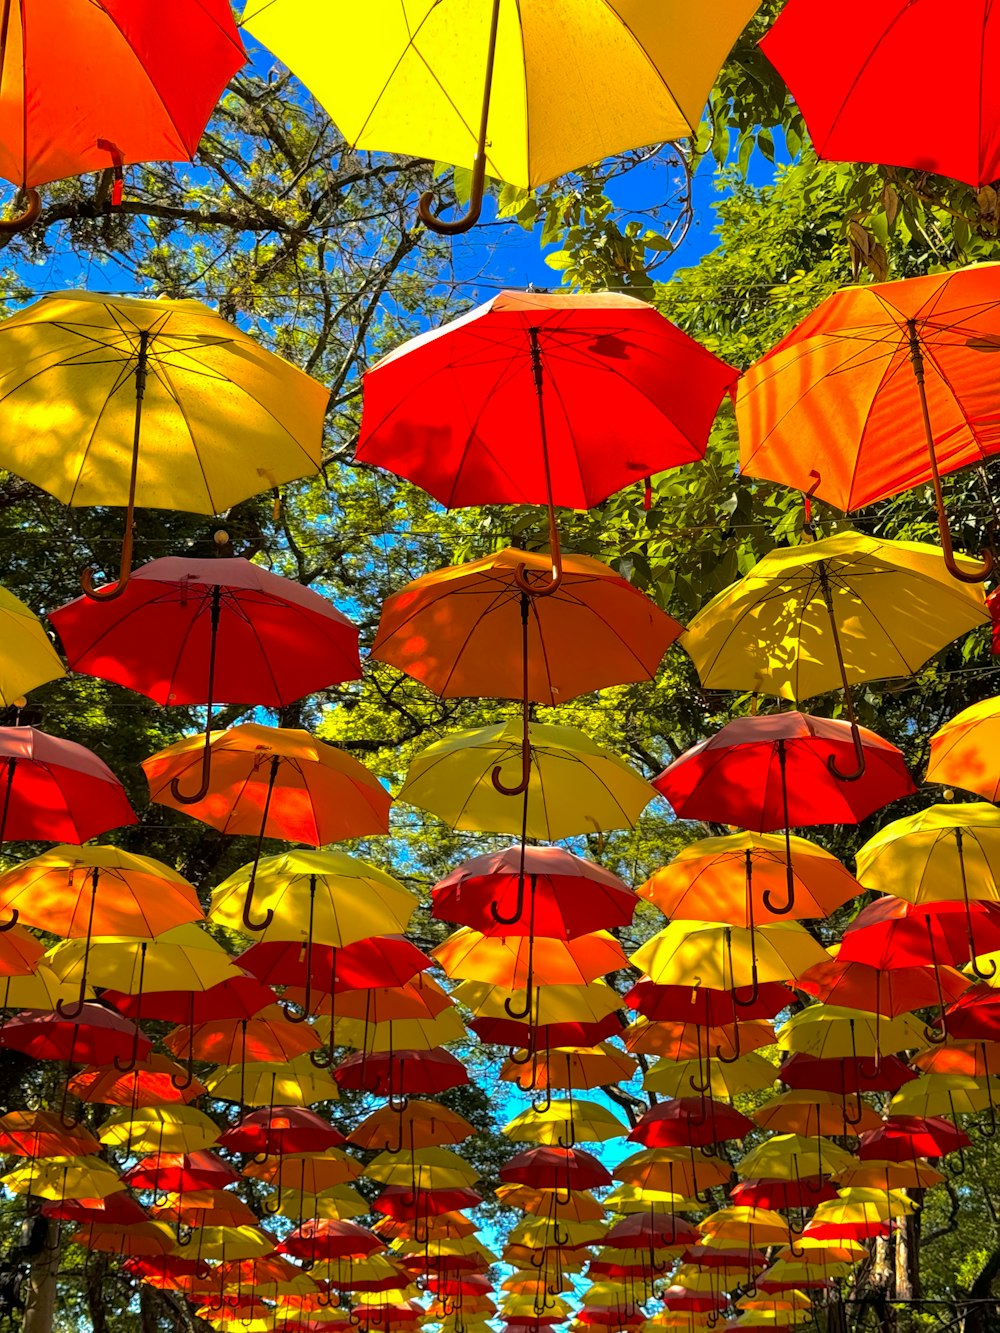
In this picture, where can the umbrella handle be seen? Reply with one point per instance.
(26, 218)
(192, 798)
(512, 920)
(513, 1055)
(184, 1081)
(398, 1103)
(545, 1104)
(525, 779)
(534, 586)
(559, 1237)
(854, 1119)
(471, 217)
(937, 1036)
(728, 1059)
(859, 755)
(782, 909)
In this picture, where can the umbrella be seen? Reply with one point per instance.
(155, 1081)
(878, 990)
(541, 1017)
(28, 658)
(93, 1035)
(706, 1006)
(279, 1130)
(689, 1041)
(118, 1209)
(159, 1129)
(163, 75)
(330, 1239)
(570, 896)
(890, 382)
(295, 1083)
(63, 791)
(39, 989)
(340, 901)
(950, 129)
(277, 783)
(498, 90)
(576, 786)
(774, 772)
(177, 1173)
(828, 614)
(414, 1034)
(689, 1121)
(746, 1073)
(788, 1156)
(420, 998)
(905, 1138)
(420, 1124)
(268, 1038)
(88, 891)
(811, 1112)
(737, 878)
(829, 1032)
(606, 392)
(893, 933)
(962, 750)
(513, 962)
(565, 1123)
(211, 631)
(144, 394)
(474, 630)
(398, 1074)
(846, 1076)
(42, 1134)
(366, 964)
(566, 1068)
(64, 1178)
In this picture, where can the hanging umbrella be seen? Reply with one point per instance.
(581, 1068)
(54, 790)
(774, 772)
(267, 1038)
(295, 1083)
(705, 1005)
(570, 896)
(746, 1073)
(811, 1112)
(413, 1034)
(878, 990)
(155, 1081)
(905, 1138)
(829, 614)
(951, 129)
(419, 1124)
(893, 933)
(279, 1130)
(962, 751)
(605, 390)
(572, 1204)
(88, 891)
(118, 1209)
(316, 899)
(748, 877)
(543, 1016)
(312, 1172)
(367, 964)
(847, 1076)
(564, 1123)
(321, 1240)
(277, 783)
(689, 1041)
(28, 658)
(160, 1129)
(858, 1214)
(689, 1121)
(787, 1156)
(513, 962)
(204, 1208)
(400, 1073)
(93, 1035)
(576, 786)
(145, 393)
(420, 998)
(20, 955)
(162, 75)
(830, 1033)
(42, 1134)
(64, 1178)
(214, 631)
(177, 1173)
(894, 371)
(39, 989)
(474, 631)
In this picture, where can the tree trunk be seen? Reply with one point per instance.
(97, 1270)
(881, 1284)
(981, 1318)
(40, 1307)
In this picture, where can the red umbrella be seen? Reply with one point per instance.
(704, 1256)
(650, 1230)
(383, 960)
(604, 390)
(472, 1284)
(399, 1202)
(952, 127)
(779, 772)
(702, 1302)
(551, 1168)
(397, 1074)
(684, 1122)
(274, 1130)
(54, 790)
(880, 990)
(96, 1036)
(116, 1210)
(611, 1316)
(845, 1076)
(571, 896)
(707, 1008)
(543, 1036)
(180, 1173)
(805, 1192)
(905, 1138)
(328, 1239)
(156, 1082)
(975, 1016)
(211, 631)
(892, 933)
(166, 1271)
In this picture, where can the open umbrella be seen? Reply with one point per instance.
(190, 631)
(163, 72)
(829, 614)
(120, 401)
(605, 390)
(55, 790)
(889, 384)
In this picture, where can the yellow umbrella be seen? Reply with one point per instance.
(818, 1255)
(963, 751)
(749, 1073)
(861, 1205)
(155, 1129)
(724, 957)
(183, 959)
(790, 1157)
(339, 1203)
(549, 1004)
(297, 1083)
(426, 1168)
(63, 1178)
(323, 897)
(629, 1199)
(576, 786)
(226, 1243)
(770, 1318)
(570, 1121)
(832, 1033)
(539, 1233)
(811, 618)
(41, 989)
(27, 658)
(941, 1094)
(756, 1227)
(523, 95)
(114, 401)
(399, 1034)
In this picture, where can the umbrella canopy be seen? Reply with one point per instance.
(510, 963)
(575, 786)
(183, 959)
(772, 771)
(962, 750)
(565, 1122)
(279, 1130)
(173, 1173)
(689, 1121)
(893, 933)
(93, 1035)
(569, 896)
(54, 790)
(160, 1129)
(893, 605)
(268, 1038)
(878, 990)
(812, 1112)
(582, 1068)
(888, 383)
(951, 130)
(711, 953)
(64, 1178)
(154, 1081)
(401, 1072)
(183, 622)
(675, 1078)
(942, 853)
(72, 427)
(164, 73)
(787, 1156)
(830, 1033)
(419, 1124)
(295, 1083)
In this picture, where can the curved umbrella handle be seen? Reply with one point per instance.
(518, 912)
(192, 798)
(782, 909)
(26, 218)
(111, 590)
(854, 1119)
(15, 916)
(258, 927)
(860, 758)
(937, 1036)
(515, 1058)
(184, 1081)
(535, 588)
(729, 1059)
(543, 1105)
(522, 785)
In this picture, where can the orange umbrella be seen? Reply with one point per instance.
(273, 782)
(691, 1041)
(204, 1208)
(155, 1081)
(889, 385)
(43, 1134)
(515, 961)
(422, 997)
(420, 1124)
(809, 1112)
(979, 1059)
(20, 952)
(265, 1039)
(565, 1068)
